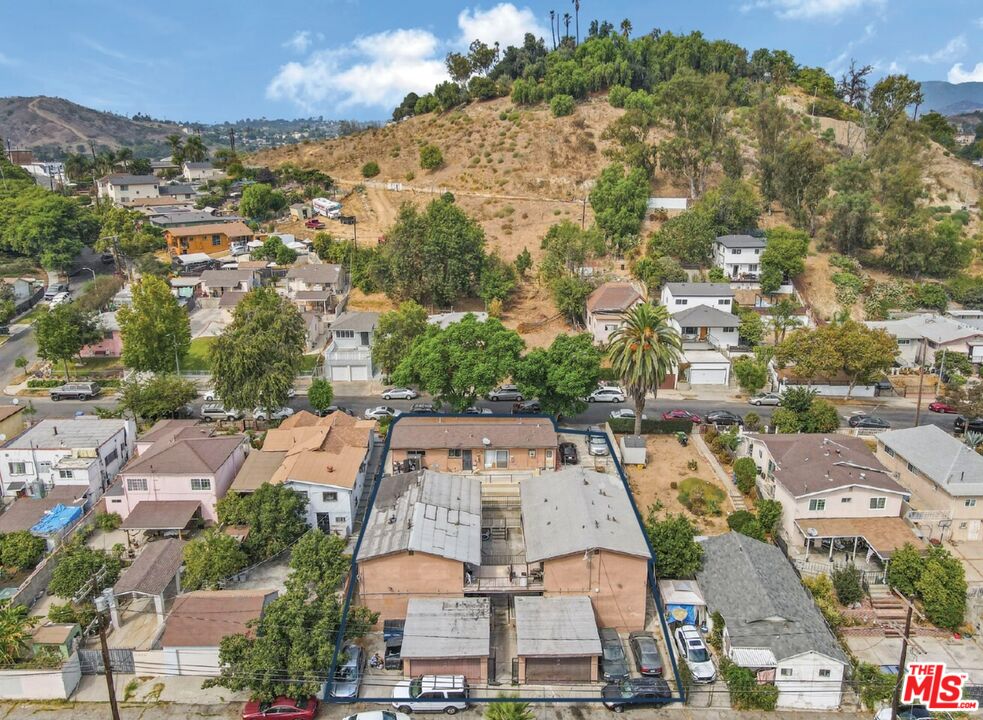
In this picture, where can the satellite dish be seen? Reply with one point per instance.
(485, 441)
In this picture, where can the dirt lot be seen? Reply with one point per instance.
(668, 464)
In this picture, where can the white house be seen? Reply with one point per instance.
(122, 188)
(924, 336)
(685, 295)
(200, 171)
(705, 323)
(605, 306)
(316, 287)
(349, 355)
(771, 624)
(739, 256)
(83, 452)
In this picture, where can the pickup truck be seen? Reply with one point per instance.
(314, 224)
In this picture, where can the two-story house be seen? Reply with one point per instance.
(122, 189)
(176, 193)
(704, 323)
(316, 287)
(214, 239)
(702, 313)
(739, 256)
(606, 305)
(348, 356)
(324, 459)
(685, 295)
(181, 461)
(200, 171)
(833, 491)
(944, 477)
(84, 453)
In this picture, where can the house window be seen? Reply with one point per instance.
(111, 457)
(689, 330)
(786, 672)
(345, 333)
(216, 240)
(201, 484)
(341, 518)
(971, 502)
(753, 267)
(123, 188)
(496, 458)
(846, 500)
(681, 301)
(549, 455)
(825, 672)
(736, 251)
(329, 497)
(17, 468)
(454, 453)
(44, 467)
(723, 301)
(66, 474)
(136, 484)
(532, 453)
(911, 468)
(877, 503)
(729, 329)
(889, 451)
(817, 505)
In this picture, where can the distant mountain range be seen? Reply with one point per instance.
(951, 99)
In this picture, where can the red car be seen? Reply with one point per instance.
(681, 415)
(941, 407)
(281, 709)
(314, 224)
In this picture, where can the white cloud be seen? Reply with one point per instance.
(810, 9)
(373, 71)
(958, 75)
(947, 53)
(8, 61)
(302, 40)
(504, 23)
(978, 22)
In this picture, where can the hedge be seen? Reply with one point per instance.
(37, 383)
(653, 427)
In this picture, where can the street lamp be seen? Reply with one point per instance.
(90, 270)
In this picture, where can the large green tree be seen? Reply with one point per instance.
(156, 330)
(643, 350)
(211, 557)
(256, 359)
(395, 333)
(889, 100)
(619, 199)
(127, 232)
(261, 201)
(783, 257)
(158, 396)
(61, 332)
(801, 180)
(461, 362)
(677, 554)
(561, 375)
(275, 515)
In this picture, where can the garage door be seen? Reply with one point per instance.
(469, 668)
(360, 372)
(708, 376)
(196, 661)
(341, 373)
(558, 669)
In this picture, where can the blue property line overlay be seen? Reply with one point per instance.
(510, 697)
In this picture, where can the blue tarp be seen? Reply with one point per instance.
(57, 518)
(690, 611)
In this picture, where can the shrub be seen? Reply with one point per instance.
(942, 589)
(562, 105)
(752, 422)
(873, 685)
(700, 497)
(821, 589)
(769, 513)
(370, 169)
(617, 95)
(740, 518)
(652, 427)
(431, 157)
(107, 522)
(716, 636)
(846, 583)
(745, 471)
(905, 569)
(745, 693)
(20, 550)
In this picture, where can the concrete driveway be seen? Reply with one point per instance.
(963, 655)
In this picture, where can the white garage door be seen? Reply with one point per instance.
(360, 372)
(341, 373)
(197, 661)
(708, 376)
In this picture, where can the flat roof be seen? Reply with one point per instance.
(883, 534)
(161, 515)
(24, 513)
(68, 433)
(423, 433)
(552, 626)
(447, 628)
(705, 289)
(202, 618)
(153, 569)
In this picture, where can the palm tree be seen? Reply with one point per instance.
(123, 156)
(509, 711)
(643, 350)
(552, 31)
(566, 26)
(77, 166)
(195, 150)
(175, 141)
(15, 632)
(626, 27)
(576, 15)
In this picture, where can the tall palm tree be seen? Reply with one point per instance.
(77, 166)
(626, 27)
(123, 156)
(576, 15)
(643, 351)
(552, 30)
(175, 141)
(566, 26)
(194, 149)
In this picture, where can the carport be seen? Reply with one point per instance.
(162, 516)
(151, 574)
(447, 637)
(556, 639)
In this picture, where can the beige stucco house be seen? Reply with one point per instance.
(606, 305)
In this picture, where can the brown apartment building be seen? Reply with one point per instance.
(476, 444)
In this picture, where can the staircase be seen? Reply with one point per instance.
(888, 607)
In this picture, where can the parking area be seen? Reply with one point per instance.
(962, 655)
(600, 463)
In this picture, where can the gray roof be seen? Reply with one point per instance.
(948, 463)
(81, 432)
(447, 628)
(161, 515)
(755, 589)
(478, 431)
(426, 512)
(125, 179)
(176, 189)
(633, 441)
(575, 510)
(550, 626)
(705, 316)
(226, 278)
(190, 218)
(315, 273)
(700, 289)
(937, 328)
(359, 321)
(198, 165)
(154, 569)
(742, 241)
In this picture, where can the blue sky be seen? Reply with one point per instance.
(216, 60)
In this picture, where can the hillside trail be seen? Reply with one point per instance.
(33, 107)
(384, 191)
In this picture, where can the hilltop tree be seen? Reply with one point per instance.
(890, 98)
(783, 257)
(63, 331)
(852, 222)
(619, 200)
(156, 330)
(395, 334)
(800, 179)
(499, 280)
(567, 248)
(561, 375)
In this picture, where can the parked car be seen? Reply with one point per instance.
(765, 398)
(625, 414)
(640, 692)
(723, 417)
(681, 415)
(475, 410)
(529, 407)
(55, 289)
(423, 408)
(333, 409)
(868, 422)
(508, 393)
(646, 652)
(378, 715)
(597, 445)
(60, 299)
(348, 676)
(905, 712)
(432, 693)
(694, 651)
(568, 453)
(382, 411)
(398, 393)
(940, 407)
(611, 394)
(614, 664)
(278, 414)
(75, 391)
(884, 385)
(961, 425)
(282, 708)
(393, 659)
(215, 411)
(314, 224)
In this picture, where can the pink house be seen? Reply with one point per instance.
(179, 461)
(111, 344)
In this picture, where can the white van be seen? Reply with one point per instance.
(432, 693)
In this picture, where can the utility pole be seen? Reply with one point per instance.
(921, 380)
(232, 140)
(108, 668)
(901, 663)
(583, 215)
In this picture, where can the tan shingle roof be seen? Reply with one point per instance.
(613, 297)
(185, 456)
(204, 617)
(424, 433)
(161, 515)
(154, 569)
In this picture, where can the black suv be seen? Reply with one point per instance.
(961, 425)
(723, 417)
(869, 422)
(423, 408)
(614, 664)
(529, 407)
(568, 453)
(640, 692)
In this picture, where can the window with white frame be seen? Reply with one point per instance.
(454, 453)
(846, 499)
(825, 672)
(344, 333)
(329, 497)
(970, 502)
(136, 484)
(17, 468)
(681, 301)
(532, 453)
(66, 474)
(877, 503)
(723, 301)
(817, 505)
(341, 518)
(786, 672)
(201, 484)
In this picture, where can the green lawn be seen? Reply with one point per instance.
(309, 362)
(199, 355)
(700, 497)
(31, 316)
(87, 366)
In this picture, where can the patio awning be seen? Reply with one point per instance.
(883, 535)
(161, 515)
